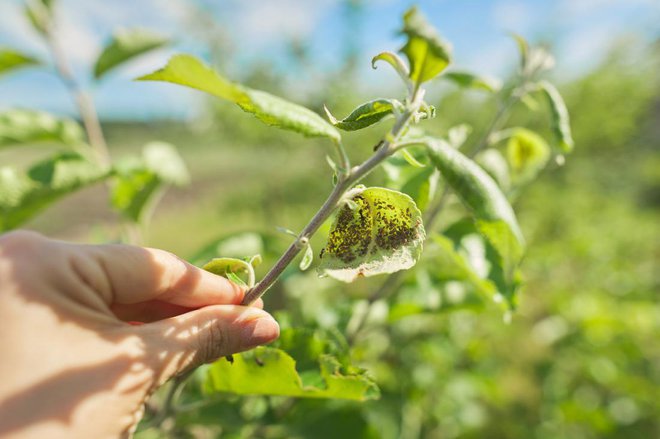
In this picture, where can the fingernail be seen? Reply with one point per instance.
(259, 331)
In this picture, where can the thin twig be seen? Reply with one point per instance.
(344, 184)
(81, 97)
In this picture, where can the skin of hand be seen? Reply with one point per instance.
(74, 363)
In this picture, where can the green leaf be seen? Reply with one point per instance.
(40, 14)
(234, 245)
(364, 115)
(301, 363)
(457, 135)
(14, 60)
(164, 160)
(308, 258)
(428, 55)
(468, 80)
(560, 122)
(271, 371)
(383, 235)
(189, 71)
(493, 162)
(523, 49)
(231, 268)
(125, 45)
(23, 195)
(18, 127)
(493, 214)
(420, 183)
(396, 62)
(139, 180)
(527, 154)
(410, 159)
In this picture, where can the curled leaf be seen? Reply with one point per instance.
(364, 115)
(232, 267)
(308, 257)
(523, 49)
(383, 235)
(396, 62)
(560, 121)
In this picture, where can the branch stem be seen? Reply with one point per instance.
(345, 182)
(81, 97)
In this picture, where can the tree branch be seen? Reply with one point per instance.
(344, 184)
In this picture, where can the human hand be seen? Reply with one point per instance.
(71, 366)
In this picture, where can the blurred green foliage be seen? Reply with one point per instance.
(581, 355)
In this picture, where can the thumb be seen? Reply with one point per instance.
(188, 340)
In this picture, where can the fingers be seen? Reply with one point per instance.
(154, 310)
(134, 275)
(204, 335)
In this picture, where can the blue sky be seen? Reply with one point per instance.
(580, 31)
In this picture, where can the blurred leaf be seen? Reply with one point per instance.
(410, 159)
(420, 183)
(308, 258)
(139, 180)
(125, 45)
(19, 127)
(527, 154)
(12, 60)
(40, 14)
(427, 54)
(395, 61)
(383, 234)
(457, 135)
(538, 60)
(271, 371)
(189, 71)
(364, 115)
(493, 214)
(234, 245)
(469, 80)
(23, 195)
(560, 122)
(231, 268)
(164, 160)
(494, 163)
(523, 49)
(450, 264)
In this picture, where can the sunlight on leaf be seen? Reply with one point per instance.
(191, 72)
(383, 234)
(125, 45)
(427, 53)
(27, 127)
(11, 60)
(23, 195)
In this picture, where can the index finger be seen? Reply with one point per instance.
(136, 274)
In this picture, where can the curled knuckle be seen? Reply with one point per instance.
(212, 345)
